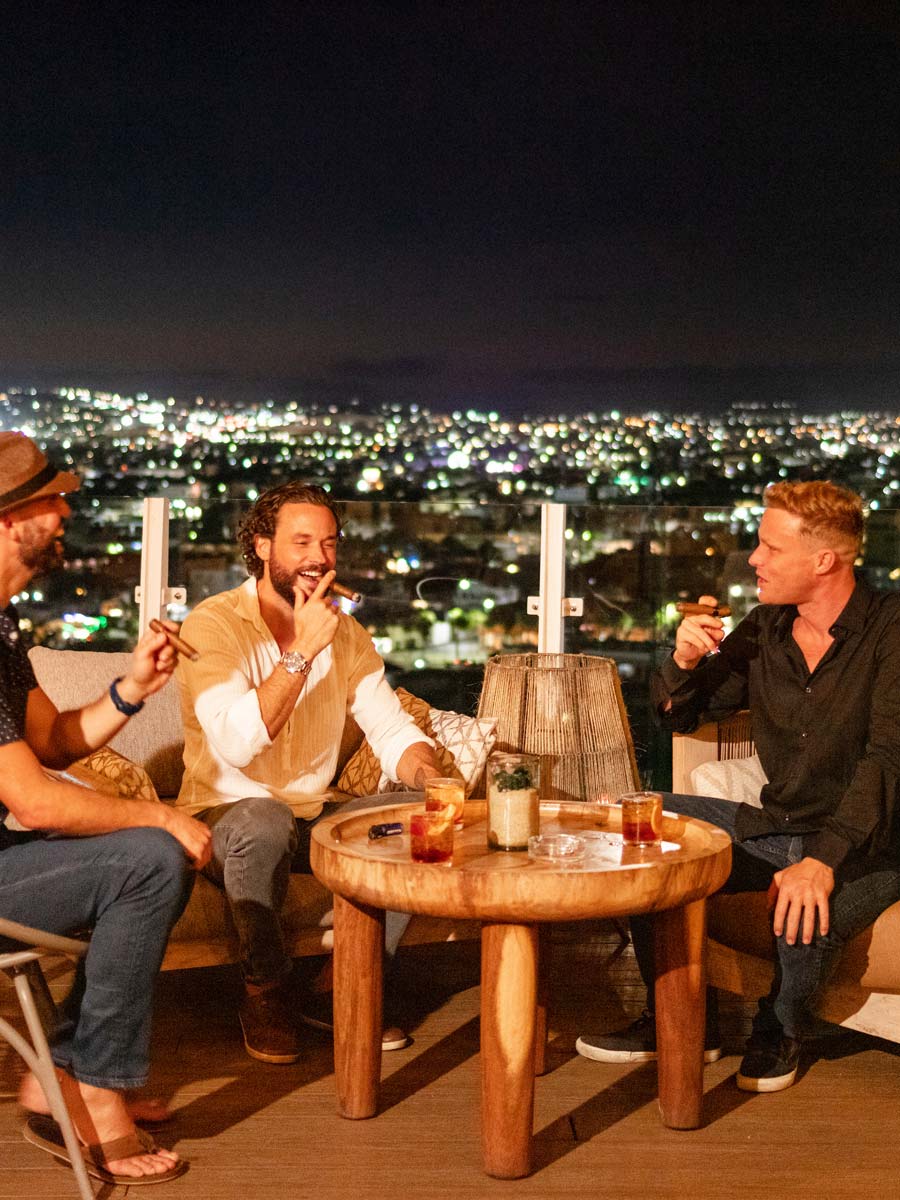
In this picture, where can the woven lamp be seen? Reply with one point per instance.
(568, 710)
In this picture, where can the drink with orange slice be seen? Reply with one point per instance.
(446, 793)
(641, 818)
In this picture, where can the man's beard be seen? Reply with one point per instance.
(41, 557)
(283, 580)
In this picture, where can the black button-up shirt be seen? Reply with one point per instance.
(828, 740)
(16, 681)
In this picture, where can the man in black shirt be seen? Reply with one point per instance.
(818, 665)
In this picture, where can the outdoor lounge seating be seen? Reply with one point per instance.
(864, 992)
(22, 950)
(204, 936)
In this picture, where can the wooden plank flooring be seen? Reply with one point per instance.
(254, 1131)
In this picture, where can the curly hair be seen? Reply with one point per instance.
(260, 520)
(831, 513)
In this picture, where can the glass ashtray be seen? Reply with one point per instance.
(560, 849)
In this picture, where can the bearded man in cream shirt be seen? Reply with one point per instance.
(264, 705)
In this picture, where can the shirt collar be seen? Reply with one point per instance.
(248, 605)
(852, 618)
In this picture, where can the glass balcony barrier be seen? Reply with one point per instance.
(447, 584)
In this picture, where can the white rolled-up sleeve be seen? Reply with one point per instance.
(388, 728)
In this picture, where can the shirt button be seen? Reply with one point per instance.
(787, 818)
(807, 690)
(804, 734)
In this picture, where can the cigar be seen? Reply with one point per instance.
(706, 610)
(340, 589)
(179, 643)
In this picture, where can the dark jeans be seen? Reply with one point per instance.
(129, 888)
(257, 845)
(862, 891)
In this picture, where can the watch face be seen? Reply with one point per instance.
(294, 663)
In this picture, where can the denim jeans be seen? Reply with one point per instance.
(129, 888)
(257, 845)
(863, 889)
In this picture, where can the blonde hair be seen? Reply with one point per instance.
(830, 513)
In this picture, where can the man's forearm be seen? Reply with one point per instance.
(278, 696)
(72, 735)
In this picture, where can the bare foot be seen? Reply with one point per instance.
(101, 1115)
(150, 1109)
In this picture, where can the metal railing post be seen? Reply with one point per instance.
(154, 593)
(553, 579)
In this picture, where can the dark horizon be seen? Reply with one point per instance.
(830, 388)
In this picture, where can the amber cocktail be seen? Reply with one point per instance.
(446, 793)
(431, 836)
(641, 818)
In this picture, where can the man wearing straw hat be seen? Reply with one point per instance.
(73, 859)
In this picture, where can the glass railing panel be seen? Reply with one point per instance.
(444, 583)
(89, 602)
(631, 564)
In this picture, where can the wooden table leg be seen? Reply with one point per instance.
(680, 943)
(508, 999)
(542, 1011)
(358, 949)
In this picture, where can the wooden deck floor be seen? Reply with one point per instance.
(254, 1131)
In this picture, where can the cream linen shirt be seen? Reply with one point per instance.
(228, 754)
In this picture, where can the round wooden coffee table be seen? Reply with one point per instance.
(512, 895)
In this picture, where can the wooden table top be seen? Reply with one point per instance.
(482, 884)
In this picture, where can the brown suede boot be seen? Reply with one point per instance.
(269, 1025)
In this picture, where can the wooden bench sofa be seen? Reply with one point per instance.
(864, 992)
(153, 740)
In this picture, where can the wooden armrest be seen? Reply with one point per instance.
(712, 742)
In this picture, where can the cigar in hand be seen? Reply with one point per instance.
(340, 589)
(706, 610)
(179, 643)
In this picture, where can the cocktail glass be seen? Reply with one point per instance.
(641, 818)
(446, 793)
(431, 836)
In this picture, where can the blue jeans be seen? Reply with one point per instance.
(257, 845)
(130, 888)
(863, 889)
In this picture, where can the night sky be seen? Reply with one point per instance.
(524, 205)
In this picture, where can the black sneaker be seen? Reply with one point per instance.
(637, 1043)
(317, 1011)
(769, 1068)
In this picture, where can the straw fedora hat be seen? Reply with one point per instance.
(26, 474)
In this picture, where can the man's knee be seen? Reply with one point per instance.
(261, 824)
(158, 856)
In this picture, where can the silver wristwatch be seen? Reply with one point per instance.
(295, 664)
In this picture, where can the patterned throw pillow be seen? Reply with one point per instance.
(462, 745)
(111, 773)
(738, 779)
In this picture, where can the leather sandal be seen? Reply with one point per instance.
(43, 1132)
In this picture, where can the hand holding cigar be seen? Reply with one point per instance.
(175, 640)
(707, 610)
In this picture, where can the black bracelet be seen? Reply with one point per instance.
(126, 709)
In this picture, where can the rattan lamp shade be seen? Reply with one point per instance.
(568, 709)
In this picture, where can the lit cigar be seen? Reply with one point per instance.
(339, 589)
(179, 643)
(706, 610)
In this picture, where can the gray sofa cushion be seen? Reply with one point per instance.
(72, 678)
